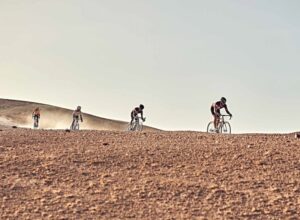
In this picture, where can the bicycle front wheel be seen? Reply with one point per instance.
(210, 127)
(139, 127)
(226, 128)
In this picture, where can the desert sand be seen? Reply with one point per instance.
(114, 174)
(148, 175)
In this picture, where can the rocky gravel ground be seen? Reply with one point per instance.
(48, 174)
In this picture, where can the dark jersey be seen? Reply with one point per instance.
(219, 105)
(138, 110)
(216, 107)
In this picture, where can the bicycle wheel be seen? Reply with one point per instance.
(130, 126)
(210, 127)
(226, 128)
(77, 126)
(139, 127)
(36, 123)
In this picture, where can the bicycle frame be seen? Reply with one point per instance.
(35, 121)
(222, 123)
(223, 126)
(75, 124)
(137, 124)
(222, 120)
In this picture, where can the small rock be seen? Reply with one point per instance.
(69, 196)
(154, 165)
(105, 175)
(44, 214)
(297, 135)
(36, 210)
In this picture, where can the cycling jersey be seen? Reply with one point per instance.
(77, 114)
(216, 107)
(219, 105)
(36, 113)
(136, 111)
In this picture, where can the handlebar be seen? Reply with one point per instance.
(139, 117)
(226, 116)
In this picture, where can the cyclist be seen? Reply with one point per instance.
(136, 111)
(76, 115)
(36, 114)
(215, 110)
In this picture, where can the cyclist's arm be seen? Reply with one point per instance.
(227, 111)
(81, 117)
(142, 115)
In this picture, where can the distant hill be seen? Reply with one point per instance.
(18, 113)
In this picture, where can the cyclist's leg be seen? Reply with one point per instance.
(72, 125)
(132, 117)
(217, 120)
(136, 123)
(77, 123)
(212, 110)
(35, 118)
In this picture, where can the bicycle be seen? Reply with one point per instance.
(75, 124)
(224, 126)
(35, 121)
(136, 125)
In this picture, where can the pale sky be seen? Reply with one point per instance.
(175, 57)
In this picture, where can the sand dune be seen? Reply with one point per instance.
(18, 113)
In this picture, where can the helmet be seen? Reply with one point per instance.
(223, 100)
(141, 106)
(78, 108)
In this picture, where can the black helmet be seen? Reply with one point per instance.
(223, 100)
(141, 106)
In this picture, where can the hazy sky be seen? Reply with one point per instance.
(175, 57)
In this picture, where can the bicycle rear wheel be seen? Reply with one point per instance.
(130, 126)
(210, 127)
(226, 128)
(35, 122)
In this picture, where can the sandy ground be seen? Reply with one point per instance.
(148, 175)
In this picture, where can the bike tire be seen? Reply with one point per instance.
(35, 123)
(129, 127)
(74, 126)
(226, 128)
(210, 127)
(139, 127)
